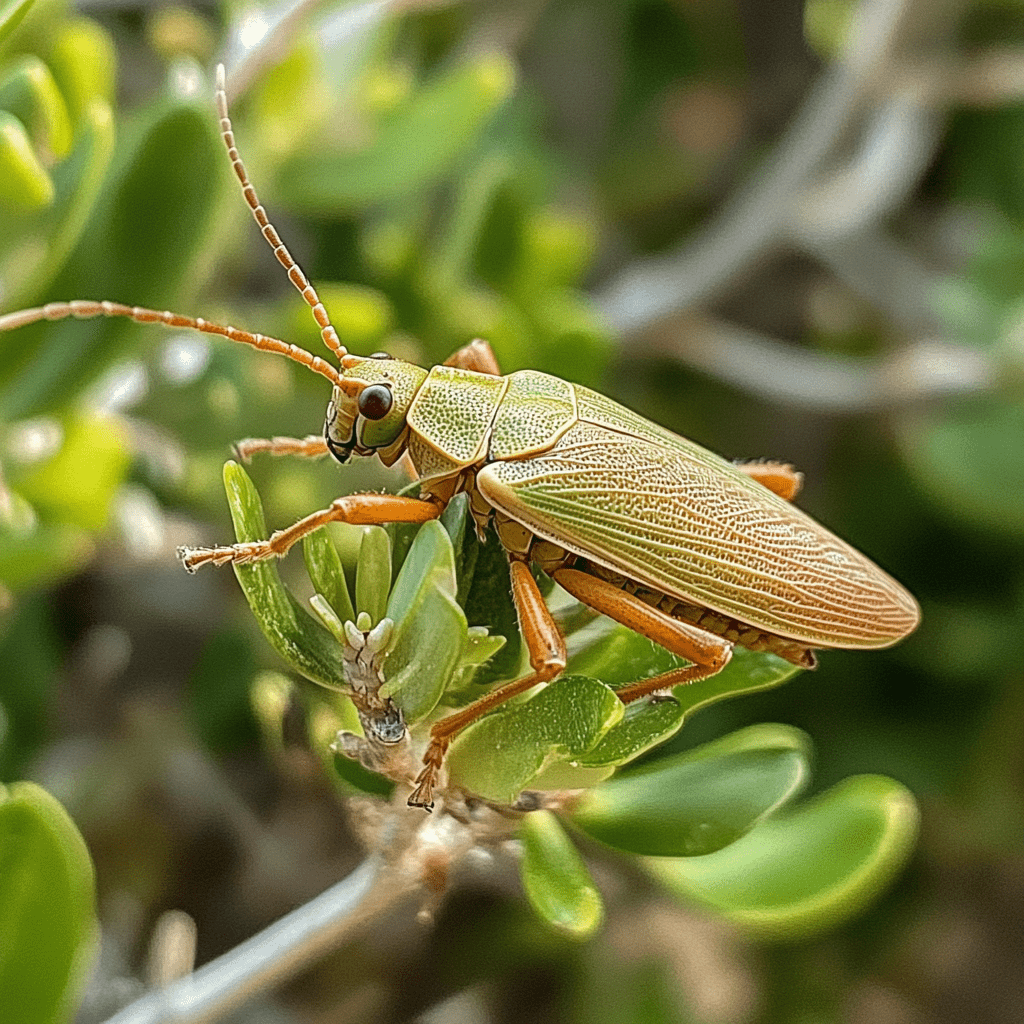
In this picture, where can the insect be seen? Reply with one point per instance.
(692, 551)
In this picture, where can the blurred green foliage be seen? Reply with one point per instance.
(47, 907)
(441, 175)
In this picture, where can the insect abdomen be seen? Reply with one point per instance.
(551, 557)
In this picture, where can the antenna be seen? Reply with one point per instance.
(86, 309)
(295, 274)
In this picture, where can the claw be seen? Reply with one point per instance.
(187, 557)
(423, 794)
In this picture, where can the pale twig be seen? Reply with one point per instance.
(759, 216)
(832, 213)
(896, 146)
(275, 954)
(989, 78)
(817, 382)
(273, 45)
(888, 276)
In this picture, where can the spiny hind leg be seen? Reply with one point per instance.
(779, 477)
(357, 509)
(312, 446)
(546, 648)
(708, 652)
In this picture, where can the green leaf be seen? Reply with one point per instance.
(25, 183)
(84, 62)
(327, 573)
(78, 181)
(558, 247)
(413, 146)
(480, 649)
(485, 590)
(373, 573)
(618, 656)
(747, 672)
(42, 554)
(47, 907)
(431, 552)
(29, 91)
(77, 485)
(430, 627)
(971, 459)
(459, 525)
(293, 633)
(11, 14)
(150, 223)
(702, 800)
(809, 869)
(455, 252)
(362, 780)
(503, 753)
(645, 724)
(557, 882)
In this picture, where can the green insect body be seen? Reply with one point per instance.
(602, 483)
(694, 552)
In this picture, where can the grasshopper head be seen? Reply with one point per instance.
(367, 411)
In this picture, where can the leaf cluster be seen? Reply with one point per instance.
(708, 816)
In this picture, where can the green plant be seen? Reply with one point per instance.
(47, 907)
(586, 181)
(434, 584)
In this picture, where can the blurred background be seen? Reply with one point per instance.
(785, 230)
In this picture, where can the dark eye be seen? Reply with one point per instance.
(375, 401)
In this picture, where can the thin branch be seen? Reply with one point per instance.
(759, 215)
(887, 275)
(988, 78)
(275, 954)
(896, 147)
(801, 378)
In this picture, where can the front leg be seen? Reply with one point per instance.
(357, 509)
(313, 446)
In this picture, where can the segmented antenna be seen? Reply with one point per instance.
(295, 274)
(86, 309)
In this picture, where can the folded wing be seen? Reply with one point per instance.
(670, 514)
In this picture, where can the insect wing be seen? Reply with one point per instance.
(670, 514)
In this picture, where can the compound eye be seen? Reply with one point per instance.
(379, 355)
(375, 401)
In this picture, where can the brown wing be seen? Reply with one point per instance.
(670, 514)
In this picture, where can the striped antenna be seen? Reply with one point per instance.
(295, 274)
(86, 309)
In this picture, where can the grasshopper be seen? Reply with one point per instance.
(692, 551)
